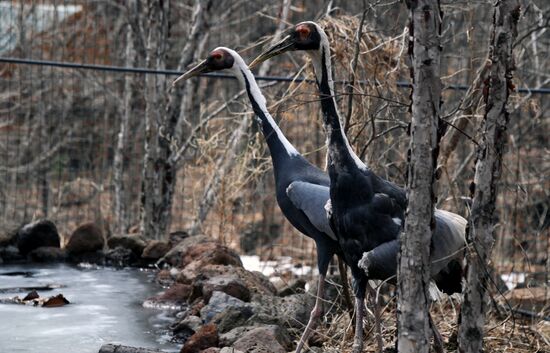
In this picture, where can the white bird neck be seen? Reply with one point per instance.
(275, 138)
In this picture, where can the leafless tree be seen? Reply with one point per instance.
(414, 259)
(165, 126)
(482, 220)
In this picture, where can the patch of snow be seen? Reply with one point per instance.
(274, 267)
(512, 279)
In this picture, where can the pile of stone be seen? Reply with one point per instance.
(222, 306)
(39, 241)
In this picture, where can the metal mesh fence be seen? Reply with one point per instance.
(59, 126)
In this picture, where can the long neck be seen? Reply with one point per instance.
(279, 147)
(340, 153)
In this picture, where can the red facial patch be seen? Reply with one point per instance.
(216, 54)
(303, 31)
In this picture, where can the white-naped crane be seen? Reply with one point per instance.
(302, 189)
(367, 212)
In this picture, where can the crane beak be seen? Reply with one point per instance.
(197, 70)
(284, 45)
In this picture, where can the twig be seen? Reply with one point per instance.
(354, 61)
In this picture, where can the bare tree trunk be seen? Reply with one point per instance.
(226, 161)
(121, 222)
(414, 269)
(163, 133)
(152, 223)
(488, 168)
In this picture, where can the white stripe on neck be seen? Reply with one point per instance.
(240, 67)
(316, 57)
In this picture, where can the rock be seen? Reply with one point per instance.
(135, 243)
(48, 254)
(190, 323)
(294, 287)
(87, 237)
(229, 284)
(174, 256)
(233, 317)
(164, 278)
(32, 295)
(204, 338)
(534, 299)
(120, 257)
(291, 311)
(36, 234)
(197, 256)
(230, 337)
(255, 282)
(219, 301)
(53, 302)
(185, 328)
(264, 339)
(211, 350)
(174, 298)
(178, 293)
(196, 307)
(33, 299)
(9, 238)
(96, 257)
(117, 348)
(155, 250)
(11, 254)
(230, 350)
(177, 236)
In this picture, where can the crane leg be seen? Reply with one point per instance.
(345, 286)
(360, 312)
(438, 339)
(377, 321)
(315, 314)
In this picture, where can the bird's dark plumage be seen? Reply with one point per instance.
(302, 189)
(366, 212)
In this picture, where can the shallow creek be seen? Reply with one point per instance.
(106, 307)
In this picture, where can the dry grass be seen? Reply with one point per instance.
(502, 334)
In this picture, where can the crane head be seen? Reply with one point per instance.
(303, 36)
(217, 60)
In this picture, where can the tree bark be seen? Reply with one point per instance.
(121, 221)
(152, 215)
(487, 174)
(163, 133)
(414, 267)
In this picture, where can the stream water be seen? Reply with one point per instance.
(105, 308)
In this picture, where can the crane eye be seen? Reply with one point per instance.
(303, 31)
(217, 55)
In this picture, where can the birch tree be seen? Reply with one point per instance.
(414, 266)
(481, 225)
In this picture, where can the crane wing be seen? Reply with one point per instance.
(311, 199)
(449, 238)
